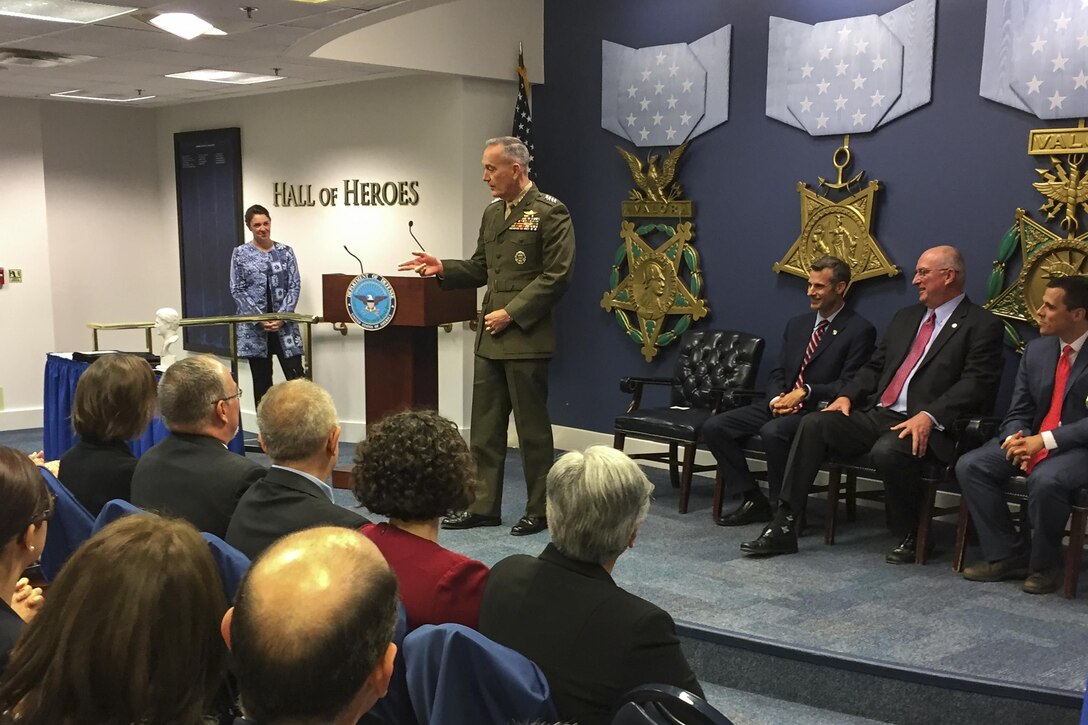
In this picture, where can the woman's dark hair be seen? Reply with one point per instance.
(254, 211)
(23, 493)
(128, 634)
(413, 466)
(115, 399)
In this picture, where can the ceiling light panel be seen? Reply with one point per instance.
(212, 75)
(107, 97)
(61, 11)
(184, 25)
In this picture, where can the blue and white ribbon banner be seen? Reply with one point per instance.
(1035, 56)
(851, 75)
(665, 94)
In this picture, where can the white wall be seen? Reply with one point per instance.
(26, 310)
(419, 128)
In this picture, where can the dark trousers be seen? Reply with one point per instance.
(862, 431)
(261, 368)
(982, 474)
(500, 387)
(725, 434)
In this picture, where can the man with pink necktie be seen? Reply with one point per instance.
(1045, 436)
(939, 360)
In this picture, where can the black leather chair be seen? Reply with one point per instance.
(712, 365)
(1016, 492)
(665, 705)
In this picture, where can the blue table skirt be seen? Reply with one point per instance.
(61, 376)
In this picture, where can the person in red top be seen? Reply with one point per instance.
(414, 467)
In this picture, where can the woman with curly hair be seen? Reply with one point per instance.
(128, 634)
(414, 467)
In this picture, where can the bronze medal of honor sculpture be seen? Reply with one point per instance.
(838, 228)
(660, 280)
(1045, 254)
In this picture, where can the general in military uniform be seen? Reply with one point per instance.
(525, 257)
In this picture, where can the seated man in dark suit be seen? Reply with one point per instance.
(563, 611)
(820, 353)
(330, 660)
(300, 434)
(191, 474)
(1045, 435)
(940, 360)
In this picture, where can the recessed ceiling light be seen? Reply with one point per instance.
(61, 11)
(108, 97)
(184, 25)
(223, 76)
(312, 2)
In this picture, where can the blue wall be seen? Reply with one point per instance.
(953, 172)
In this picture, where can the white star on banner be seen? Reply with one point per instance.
(631, 120)
(859, 118)
(645, 103)
(1082, 40)
(686, 87)
(646, 75)
(1061, 23)
(1037, 45)
(878, 63)
(844, 33)
(1033, 85)
(861, 46)
(823, 86)
(1050, 34)
(877, 99)
(821, 121)
(657, 118)
(672, 70)
(644, 133)
(1081, 80)
(825, 53)
(840, 69)
(658, 88)
(670, 133)
(859, 82)
(661, 58)
(1056, 100)
(806, 71)
(659, 97)
(1059, 62)
(685, 118)
(806, 105)
(631, 92)
(671, 100)
(840, 103)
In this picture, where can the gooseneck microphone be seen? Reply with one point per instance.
(410, 223)
(361, 272)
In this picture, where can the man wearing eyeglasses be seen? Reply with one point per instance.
(940, 360)
(191, 474)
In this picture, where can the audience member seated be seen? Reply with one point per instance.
(114, 401)
(311, 630)
(128, 633)
(414, 467)
(191, 474)
(297, 420)
(562, 610)
(24, 514)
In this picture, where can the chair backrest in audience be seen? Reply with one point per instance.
(70, 526)
(711, 359)
(665, 705)
(456, 676)
(113, 510)
(232, 564)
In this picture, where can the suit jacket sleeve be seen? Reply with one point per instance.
(657, 656)
(858, 353)
(536, 300)
(1023, 407)
(867, 378)
(776, 378)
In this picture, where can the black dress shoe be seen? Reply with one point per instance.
(529, 525)
(778, 538)
(469, 520)
(905, 551)
(749, 512)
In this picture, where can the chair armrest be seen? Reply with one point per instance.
(734, 397)
(634, 385)
(970, 433)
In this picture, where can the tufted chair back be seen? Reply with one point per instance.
(714, 359)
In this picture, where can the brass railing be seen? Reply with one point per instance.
(231, 320)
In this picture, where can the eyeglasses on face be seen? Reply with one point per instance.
(923, 272)
(230, 397)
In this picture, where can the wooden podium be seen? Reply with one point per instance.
(401, 367)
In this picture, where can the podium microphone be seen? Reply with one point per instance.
(410, 223)
(361, 272)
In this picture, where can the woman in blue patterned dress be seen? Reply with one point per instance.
(264, 278)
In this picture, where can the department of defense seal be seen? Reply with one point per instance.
(371, 301)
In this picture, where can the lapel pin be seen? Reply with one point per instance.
(834, 332)
(954, 325)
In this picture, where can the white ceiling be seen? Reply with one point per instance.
(130, 55)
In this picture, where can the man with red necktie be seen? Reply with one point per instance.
(939, 360)
(1044, 435)
(821, 351)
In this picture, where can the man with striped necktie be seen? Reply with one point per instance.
(939, 360)
(1045, 436)
(821, 350)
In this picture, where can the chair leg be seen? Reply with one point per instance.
(674, 471)
(925, 517)
(719, 492)
(851, 497)
(1075, 552)
(834, 480)
(685, 477)
(963, 525)
(617, 441)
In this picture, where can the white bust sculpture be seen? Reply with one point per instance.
(166, 326)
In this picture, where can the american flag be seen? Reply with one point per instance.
(845, 76)
(523, 115)
(662, 95)
(1050, 59)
